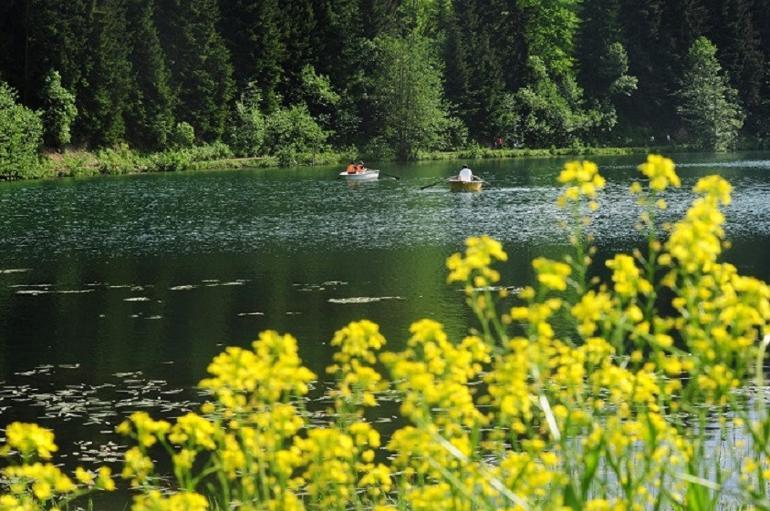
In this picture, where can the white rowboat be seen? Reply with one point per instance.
(366, 175)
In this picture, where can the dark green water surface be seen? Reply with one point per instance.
(115, 293)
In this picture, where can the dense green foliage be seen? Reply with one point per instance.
(21, 134)
(409, 99)
(709, 106)
(60, 111)
(508, 73)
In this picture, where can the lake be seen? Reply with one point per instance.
(116, 292)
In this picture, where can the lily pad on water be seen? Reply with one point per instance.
(364, 299)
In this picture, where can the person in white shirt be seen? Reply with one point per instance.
(465, 175)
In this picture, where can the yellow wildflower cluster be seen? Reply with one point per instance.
(30, 440)
(480, 253)
(552, 274)
(268, 373)
(661, 172)
(626, 277)
(154, 500)
(33, 485)
(433, 374)
(580, 180)
(358, 382)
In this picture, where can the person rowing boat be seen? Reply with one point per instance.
(465, 181)
(465, 175)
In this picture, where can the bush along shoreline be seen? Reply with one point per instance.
(122, 160)
(578, 392)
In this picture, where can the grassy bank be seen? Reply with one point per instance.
(122, 160)
(481, 153)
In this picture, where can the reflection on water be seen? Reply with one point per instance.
(135, 283)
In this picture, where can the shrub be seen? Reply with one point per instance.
(213, 151)
(21, 135)
(172, 160)
(183, 135)
(247, 128)
(120, 160)
(60, 111)
(78, 164)
(293, 129)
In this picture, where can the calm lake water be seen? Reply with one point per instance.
(115, 293)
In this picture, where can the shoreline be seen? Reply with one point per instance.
(122, 161)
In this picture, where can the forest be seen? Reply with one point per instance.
(382, 78)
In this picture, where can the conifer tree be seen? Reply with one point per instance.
(708, 105)
(150, 117)
(349, 62)
(50, 34)
(475, 78)
(733, 32)
(298, 29)
(13, 31)
(252, 34)
(201, 73)
(105, 98)
(599, 28)
(643, 40)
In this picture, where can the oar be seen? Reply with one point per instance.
(432, 184)
(477, 178)
(390, 175)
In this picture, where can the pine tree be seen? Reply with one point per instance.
(708, 105)
(201, 73)
(105, 98)
(734, 34)
(508, 41)
(475, 78)
(45, 35)
(252, 32)
(298, 29)
(599, 28)
(643, 40)
(761, 115)
(382, 16)
(349, 62)
(13, 39)
(150, 117)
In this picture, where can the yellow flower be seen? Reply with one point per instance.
(661, 171)
(137, 466)
(194, 431)
(551, 274)
(583, 179)
(84, 476)
(627, 277)
(144, 428)
(30, 440)
(104, 479)
(155, 501)
(480, 253)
